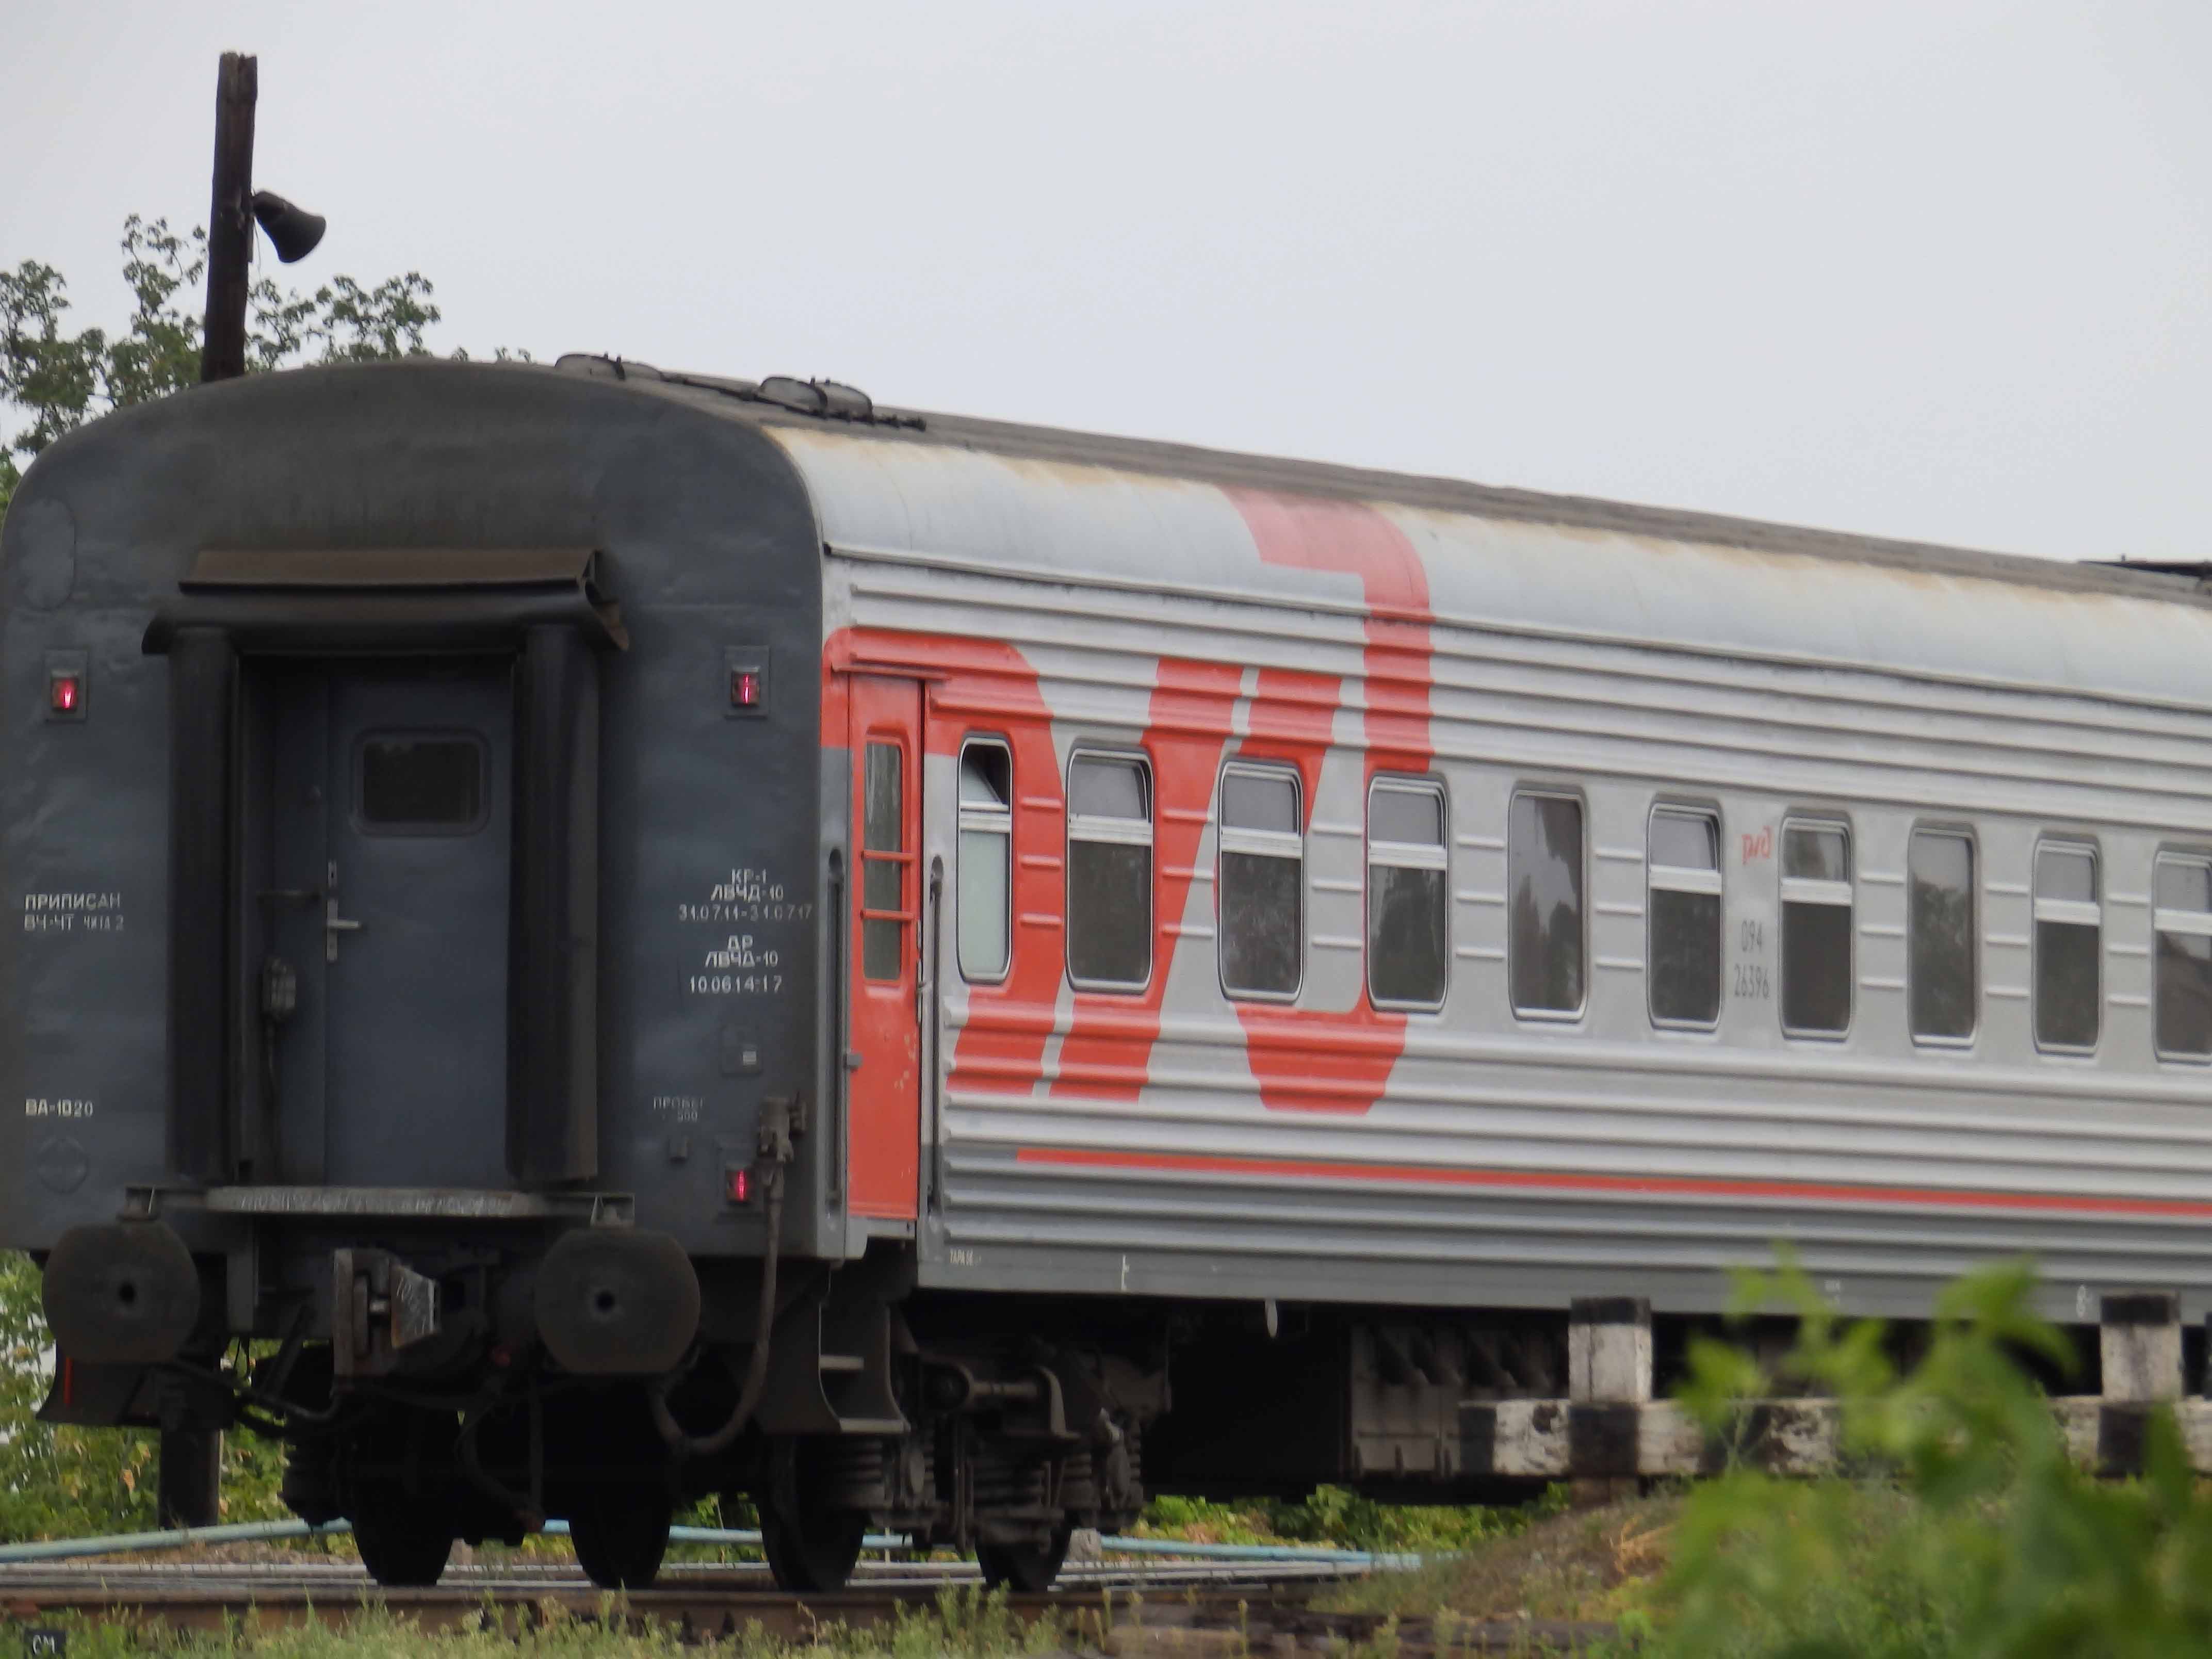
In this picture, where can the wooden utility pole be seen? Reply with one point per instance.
(189, 1492)
(230, 219)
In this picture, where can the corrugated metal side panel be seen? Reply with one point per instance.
(1504, 1161)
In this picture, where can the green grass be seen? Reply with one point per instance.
(1335, 1517)
(963, 1624)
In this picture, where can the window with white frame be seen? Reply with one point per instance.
(987, 864)
(1109, 872)
(2182, 922)
(2069, 947)
(1408, 937)
(1546, 943)
(1682, 915)
(1259, 884)
(1816, 928)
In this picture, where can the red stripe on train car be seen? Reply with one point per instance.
(1297, 1055)
(1569, 1181)
(1110, 1041)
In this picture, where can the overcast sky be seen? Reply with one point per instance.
(1940, 269)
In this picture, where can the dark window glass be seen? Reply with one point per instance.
(1940, 867)
(1261, 903)
(2069, 948)
(2066, 1006)
(1684, 917)
(1261, 882)
(985, 776)
(1816, 968)
(883, 880)
(1816, 930)
(1408, 937)
(1686, 958)
(423, 783)
(2184, 994)
(1544, 860)
(987, 823)
(1109, 872)
(2184, 888)
(1109, 914)
(1408, 960)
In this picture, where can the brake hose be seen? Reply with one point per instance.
(775, 1142)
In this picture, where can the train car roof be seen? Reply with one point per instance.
(996, 497)
(859, 417)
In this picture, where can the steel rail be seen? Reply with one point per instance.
(257, 1532)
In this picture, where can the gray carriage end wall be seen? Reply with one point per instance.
(704, 538)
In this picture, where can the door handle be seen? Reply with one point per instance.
(333, 925)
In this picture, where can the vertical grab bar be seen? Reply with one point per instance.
(934, 921)
(841, 1056)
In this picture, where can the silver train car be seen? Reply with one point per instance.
(647, 935)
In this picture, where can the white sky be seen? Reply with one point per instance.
(1940, 269)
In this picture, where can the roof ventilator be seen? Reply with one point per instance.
(828, 400)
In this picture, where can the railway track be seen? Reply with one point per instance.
(1125, 1609)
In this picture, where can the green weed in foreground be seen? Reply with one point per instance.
(964, 1624)
(1338, 1518)
(1982, 1542)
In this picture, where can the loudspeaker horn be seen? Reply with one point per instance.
(293, 230)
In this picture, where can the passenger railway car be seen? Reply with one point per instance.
(649, 935)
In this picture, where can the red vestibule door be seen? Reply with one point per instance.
(883, 1096)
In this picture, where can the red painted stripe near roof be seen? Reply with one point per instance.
(1811, 1192)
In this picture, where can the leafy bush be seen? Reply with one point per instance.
(1978, 1536)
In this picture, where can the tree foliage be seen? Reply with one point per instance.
(62, 1482)
(56, 379)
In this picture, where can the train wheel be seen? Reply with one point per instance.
(403, 1540)
(620, 1533)
(1024, 1567)
(812, 1550)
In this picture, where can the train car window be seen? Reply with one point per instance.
(2182, 922)
(882, 865)
(987, 867)
(1408, 951)
(1816, 929)
(1260, 884)
(1544, 876)
(1109, 872)
(1940, 922)
(1683, 912)
(420, 783)
(2069, 948)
